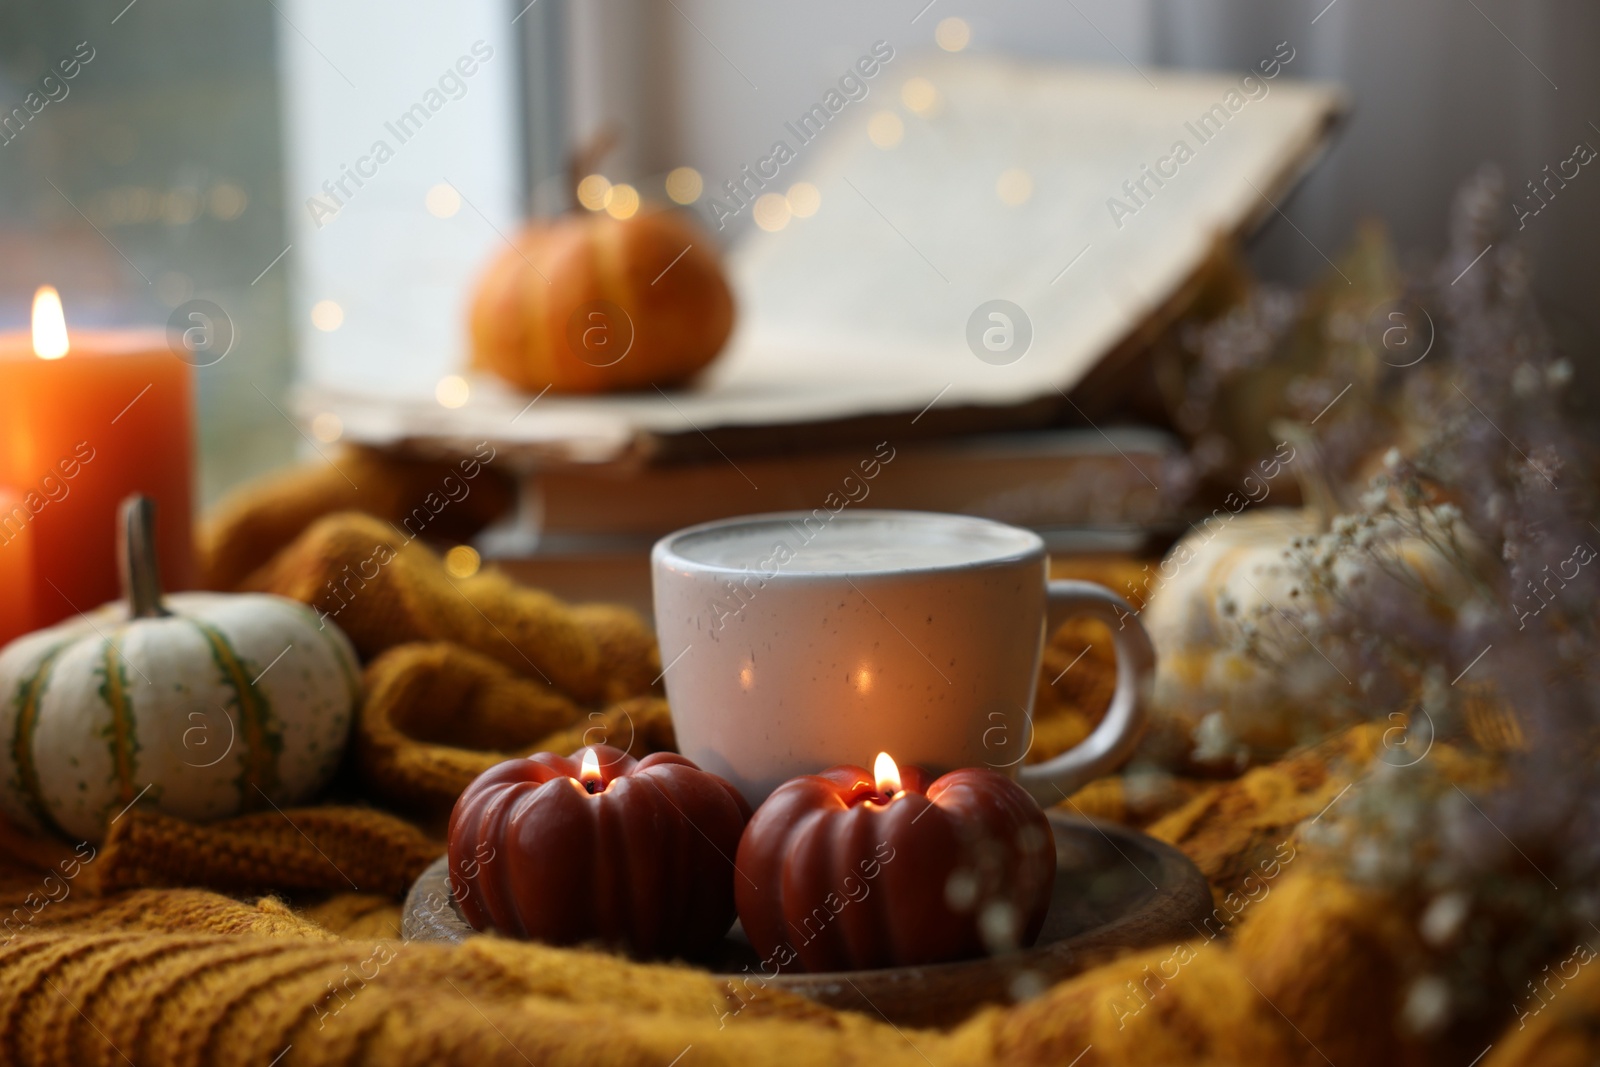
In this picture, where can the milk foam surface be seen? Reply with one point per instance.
(856, 543)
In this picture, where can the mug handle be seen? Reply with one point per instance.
(1114, 740)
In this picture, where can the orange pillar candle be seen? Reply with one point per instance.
(16, 571)
(85, 420)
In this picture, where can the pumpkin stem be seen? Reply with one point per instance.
(1318, 493)
(136, 558)
(587, 156)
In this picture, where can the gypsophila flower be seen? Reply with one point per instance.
(1463, 591)
(1456, 600)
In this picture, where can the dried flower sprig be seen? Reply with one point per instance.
(1490, 616)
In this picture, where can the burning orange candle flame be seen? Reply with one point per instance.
(887, 774)
(589, 772)
(49, 324)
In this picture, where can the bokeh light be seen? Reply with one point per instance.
(592, 192)
(228, 201)
(327, 427)
(684, 185)
(326, 315)
(622, 201)
(804, 199)
(953, 34)
(452, 391)
(772, 212)
(885, 129)
(462, 561)
(443, 201)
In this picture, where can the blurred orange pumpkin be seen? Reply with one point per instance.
(587, 303)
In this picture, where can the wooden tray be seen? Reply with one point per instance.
(1116, 889)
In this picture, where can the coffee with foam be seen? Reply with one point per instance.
(855, 544)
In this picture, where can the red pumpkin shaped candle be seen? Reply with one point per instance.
(598, 846)
(846, 871)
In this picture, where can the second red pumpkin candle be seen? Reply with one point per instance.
(848, 870)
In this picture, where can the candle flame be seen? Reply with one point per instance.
(49, 324)
(590, 771)
(887, 774)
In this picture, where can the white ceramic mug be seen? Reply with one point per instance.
(798, 641)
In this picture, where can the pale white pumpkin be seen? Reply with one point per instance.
(1210, 582)
(201, 705)
(1240, 571)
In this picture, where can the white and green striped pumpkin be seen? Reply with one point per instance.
(201, 705)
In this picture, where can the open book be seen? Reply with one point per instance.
(1025, 224)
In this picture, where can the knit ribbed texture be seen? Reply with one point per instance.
(383, 589)
(328, 848)
(437, 715)
(1311, 974)
(257, 520)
